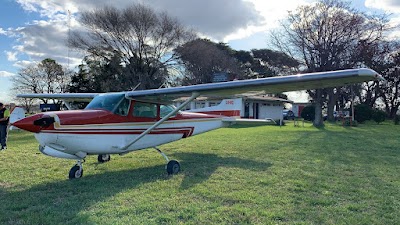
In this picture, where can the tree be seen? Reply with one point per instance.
(325, 37)
(379, 57)
(140, 38)
(277, 62)
(46, 76)
(390, 89)
(203, 58)
(26, 103)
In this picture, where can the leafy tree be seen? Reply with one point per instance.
(202, 59)
(325, 37)
(141, 39)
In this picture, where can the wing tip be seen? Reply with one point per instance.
(370, 73)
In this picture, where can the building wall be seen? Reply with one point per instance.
(271, 110)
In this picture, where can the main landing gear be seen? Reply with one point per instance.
(103, 158)
(172, 166)
(77, 170)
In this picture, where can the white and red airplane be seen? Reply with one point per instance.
(118, 123)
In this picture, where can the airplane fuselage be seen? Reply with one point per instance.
(77, 133)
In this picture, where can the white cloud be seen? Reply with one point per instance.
(6, 74)
(44, 39)
(219, 20)
(392, 6)
(2, 31)
(216, 19)
(11, 56)
(23, 63)
(271, 12)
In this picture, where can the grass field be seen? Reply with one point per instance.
(237, 175)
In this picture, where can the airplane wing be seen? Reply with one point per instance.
(237, 88)
(260, 86)
(80, 97)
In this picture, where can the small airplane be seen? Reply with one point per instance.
(119, 123)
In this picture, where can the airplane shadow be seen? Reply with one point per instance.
(198, 168)
(42, 204)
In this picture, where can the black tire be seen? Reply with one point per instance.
(173, 167)
(75, 172)
(103, 158)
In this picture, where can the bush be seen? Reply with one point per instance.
(362, 113)
(308, 113)
(396, 119)
(348, 123)
(378, 116)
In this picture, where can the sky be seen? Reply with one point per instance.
(32, 30)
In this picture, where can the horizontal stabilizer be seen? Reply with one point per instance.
(79, 97)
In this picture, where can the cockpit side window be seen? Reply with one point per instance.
(123, 107)
(144, 109)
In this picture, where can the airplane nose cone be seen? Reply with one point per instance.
(28, 123)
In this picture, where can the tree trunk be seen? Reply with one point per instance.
(393, 111)
(318, 122)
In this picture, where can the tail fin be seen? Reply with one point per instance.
(227, 107)
(16, 114)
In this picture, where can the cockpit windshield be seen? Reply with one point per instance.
(106, 101)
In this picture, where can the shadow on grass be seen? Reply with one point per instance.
(61, 202)
(199, 167)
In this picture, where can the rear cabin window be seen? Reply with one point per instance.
(142, 109)
(165, 110)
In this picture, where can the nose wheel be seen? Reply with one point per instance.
(173, 166)
(76, 171)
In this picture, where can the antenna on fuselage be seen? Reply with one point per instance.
(136, 86)
(69, 35)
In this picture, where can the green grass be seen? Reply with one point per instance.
(237, 175)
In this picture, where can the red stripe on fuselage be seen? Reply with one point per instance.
(186, 131)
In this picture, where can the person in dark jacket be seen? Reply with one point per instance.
(4, 119)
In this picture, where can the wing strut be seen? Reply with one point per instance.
(68, 104)
(192, 97)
